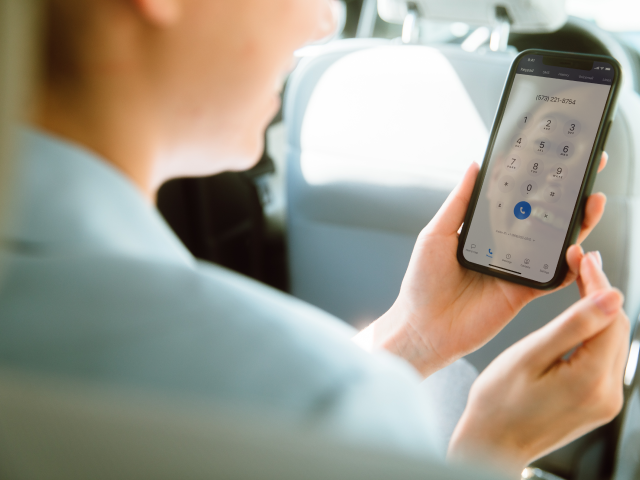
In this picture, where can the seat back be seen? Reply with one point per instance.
(378, 135)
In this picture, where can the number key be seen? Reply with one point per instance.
(565, 149)
(528, 188)
(506, 183)
(519, 141)
(548, 124)
(558, 172)
(541, 146)
(524, 121)
(513, 162)
(535, 168)
(552, 193)
(572, 128)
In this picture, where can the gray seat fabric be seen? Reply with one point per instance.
(447, 391)
(377, 136)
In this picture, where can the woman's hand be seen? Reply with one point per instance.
(530, 401)
(445, 311)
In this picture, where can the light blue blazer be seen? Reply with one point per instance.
(96, 286)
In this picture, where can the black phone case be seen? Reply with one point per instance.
(587, 183)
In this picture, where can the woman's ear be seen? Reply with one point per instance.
(161, 13)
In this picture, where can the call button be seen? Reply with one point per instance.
(522, 210)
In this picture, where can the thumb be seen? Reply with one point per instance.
(580, 322)
(451, 215)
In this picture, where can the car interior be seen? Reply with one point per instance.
(378, 125)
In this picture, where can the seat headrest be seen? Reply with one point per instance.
(531, 16)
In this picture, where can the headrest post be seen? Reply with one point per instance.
(523, 16)
(500, 35)
(410, 28)
(368, 17)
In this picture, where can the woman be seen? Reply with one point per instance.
(138, 91)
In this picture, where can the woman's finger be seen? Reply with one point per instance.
(606, 351)
(593, 211)
(594, 208)
(603, 161)
(451, 215)
(580, 322)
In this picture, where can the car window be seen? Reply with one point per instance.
(619, 16)
(611, 15)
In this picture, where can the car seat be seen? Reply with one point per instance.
(378, 133)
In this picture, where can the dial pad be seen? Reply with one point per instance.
(537, 165)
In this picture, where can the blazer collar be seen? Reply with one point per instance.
(69, 200)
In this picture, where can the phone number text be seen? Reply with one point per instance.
(547, 98)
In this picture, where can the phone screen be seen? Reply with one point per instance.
(537, 166)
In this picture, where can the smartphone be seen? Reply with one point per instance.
(541, 161)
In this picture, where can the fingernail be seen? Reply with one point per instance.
(609, 302)
(595, 259)
(598, 257)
